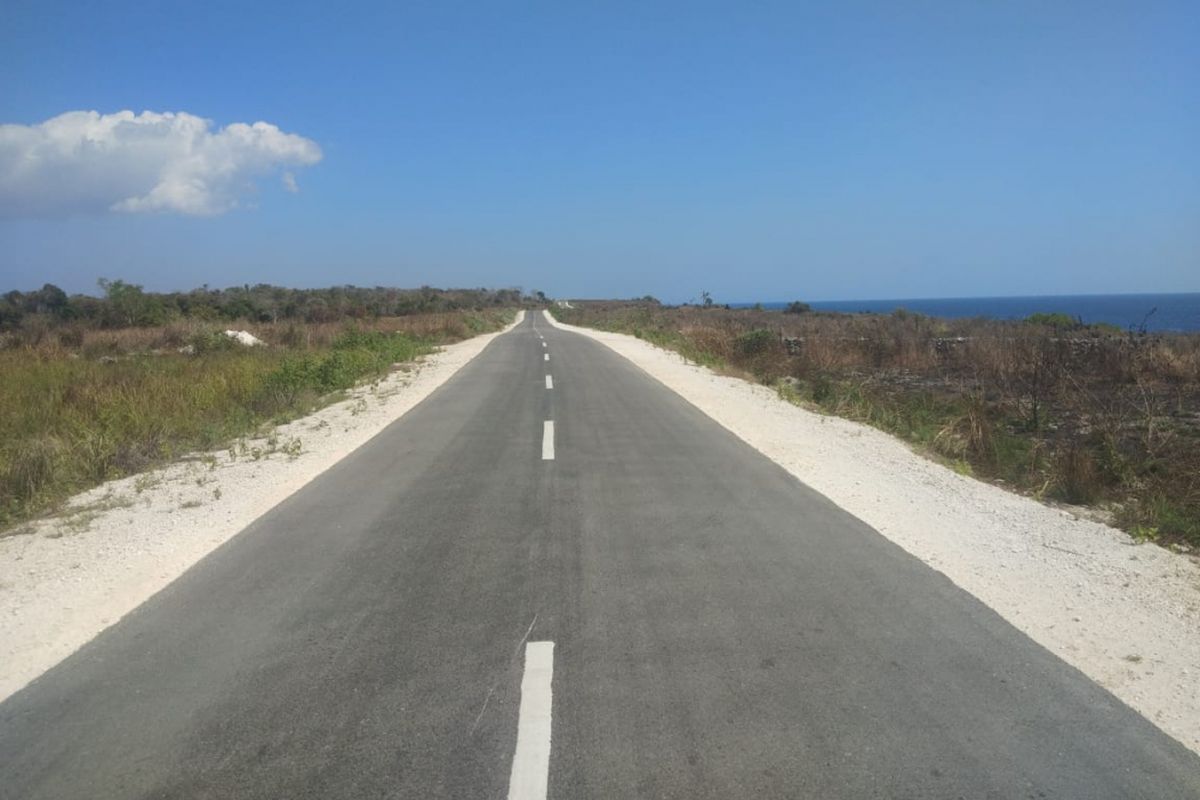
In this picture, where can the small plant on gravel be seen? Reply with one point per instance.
(1143, 533)
(143, 483)
(78, 522)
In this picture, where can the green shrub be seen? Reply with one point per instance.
(211, 341)
(755, 342)
(821, 390)
(1054, 319)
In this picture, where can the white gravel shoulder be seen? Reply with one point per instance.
(1126, 615)
(73, 575)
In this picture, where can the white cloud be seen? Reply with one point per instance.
(289, 182)
(86, 162)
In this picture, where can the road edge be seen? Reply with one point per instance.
(76, 574)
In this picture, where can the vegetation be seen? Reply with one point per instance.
(1082, 414)
(126, 305)
(1055, 319)
(92, 396)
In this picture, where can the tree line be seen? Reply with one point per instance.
(124, 305)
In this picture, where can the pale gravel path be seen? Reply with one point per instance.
(1127, 616)
(60, 587)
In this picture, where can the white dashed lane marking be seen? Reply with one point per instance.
(531, 762)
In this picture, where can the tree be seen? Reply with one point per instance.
(52, 300)
(706, 299)
(796, 307)
(11, 311)
(129, 305)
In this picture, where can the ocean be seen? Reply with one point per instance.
(1159, 312)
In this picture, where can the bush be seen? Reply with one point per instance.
(1077, 476)
(284, 387)
(71, 337)
(796, 307)
(755, 342)
(821, 390)
(1055, 319)
(211, 341)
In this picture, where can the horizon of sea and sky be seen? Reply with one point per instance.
(1156, 312)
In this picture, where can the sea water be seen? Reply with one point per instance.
(1156, 312)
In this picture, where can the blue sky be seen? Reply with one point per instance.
(753, 150)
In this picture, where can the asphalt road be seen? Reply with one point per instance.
(718, 630)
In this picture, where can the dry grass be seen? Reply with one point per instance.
(1086, 415)
(90, 342)
(79, 410)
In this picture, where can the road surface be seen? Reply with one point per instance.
(556, 578)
